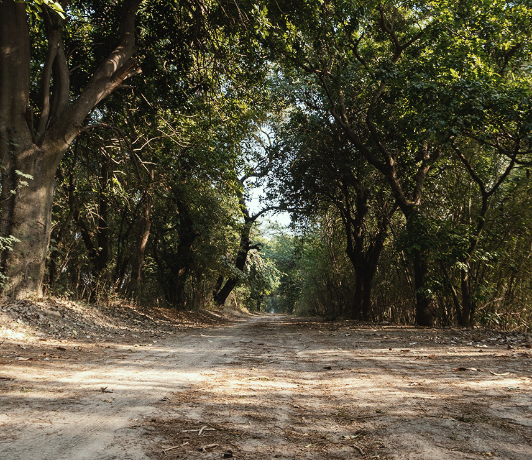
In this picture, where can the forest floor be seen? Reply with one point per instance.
(100, 383)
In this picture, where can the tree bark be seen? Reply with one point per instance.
(425, 307)
(27, 216)
(185, 255)
(365, 266)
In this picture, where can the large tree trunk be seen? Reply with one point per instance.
(364, 273)
(26, 211)
(419, 252)
(185, 255)
(358, 297)
(365, 266)
(20, 216)
(27, 216)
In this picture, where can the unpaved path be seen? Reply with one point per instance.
(79, 401)
(271, 387)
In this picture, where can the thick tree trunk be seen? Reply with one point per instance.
(25, 210)
(222, 295)
(358, 297)
(366, 296)
(27, 216)
(185, 255)
(365, 274)
(425, 307)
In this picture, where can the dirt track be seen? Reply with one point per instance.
(269, 387)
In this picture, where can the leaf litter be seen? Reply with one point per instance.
(399, 392)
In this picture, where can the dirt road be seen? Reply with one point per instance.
(270, 387)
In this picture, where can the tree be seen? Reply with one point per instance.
(483, 114)
(36, 149)
(245, 246)
(316, 168)
(364, 64)
(353, 57)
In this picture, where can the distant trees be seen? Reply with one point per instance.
(315, 168)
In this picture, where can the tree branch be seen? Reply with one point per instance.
(118, 66)
(470, 169)
(53, 44)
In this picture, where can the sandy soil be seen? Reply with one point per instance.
(137, 386)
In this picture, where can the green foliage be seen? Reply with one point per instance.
(283, 250)
(315, 278)
(348, 106)
(6, 244)
(259, 281)
(35, 7)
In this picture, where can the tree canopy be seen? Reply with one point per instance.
(396, 133)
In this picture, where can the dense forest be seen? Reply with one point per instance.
(396, 135)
